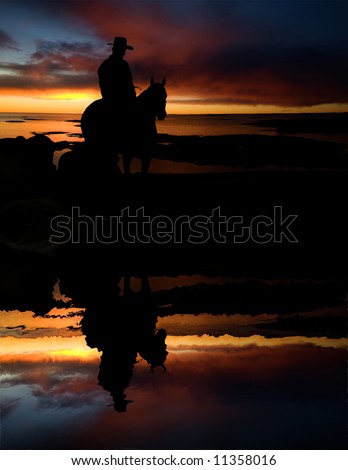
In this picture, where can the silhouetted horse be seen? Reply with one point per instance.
(132, 136)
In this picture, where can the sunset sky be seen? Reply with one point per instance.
(218, 56)
(268, 395)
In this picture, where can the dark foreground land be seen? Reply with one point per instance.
(295, 212)
(289, 224)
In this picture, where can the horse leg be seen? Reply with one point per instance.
(145, 161)
(145, 164)
(126, 163)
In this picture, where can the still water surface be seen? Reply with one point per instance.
(95, 359)
(102, 377)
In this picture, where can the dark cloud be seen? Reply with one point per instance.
(45, 49)
(288, 76)
(7, 42)
(291, 76)
(29, 79)
(9, 405)
(53, 65)
(65, 398)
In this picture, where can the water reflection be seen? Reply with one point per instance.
(123, 326)
(257, 362)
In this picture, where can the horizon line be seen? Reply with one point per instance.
(191, 114)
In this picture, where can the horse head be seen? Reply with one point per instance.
(157, 95)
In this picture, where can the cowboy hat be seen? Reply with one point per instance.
(121, 42)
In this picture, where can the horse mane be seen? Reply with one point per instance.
(144, 94)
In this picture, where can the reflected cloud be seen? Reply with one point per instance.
(226, 341)
(242, 394)
(7, 406)
(58, 322)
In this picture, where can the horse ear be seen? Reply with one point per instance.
(152, 81)
(164, 81)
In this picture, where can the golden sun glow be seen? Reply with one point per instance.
(71, 96)
(58, 348)
(69, 101)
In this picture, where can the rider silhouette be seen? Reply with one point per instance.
(118, 92)
(115, 77)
